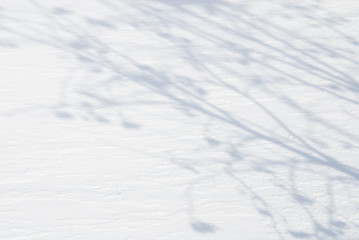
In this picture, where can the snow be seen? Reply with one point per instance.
(179, 119)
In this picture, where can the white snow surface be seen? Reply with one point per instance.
(179, 119)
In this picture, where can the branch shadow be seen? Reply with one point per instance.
(280, 58)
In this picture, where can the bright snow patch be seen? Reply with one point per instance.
(179, 120)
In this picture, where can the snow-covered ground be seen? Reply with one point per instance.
(179, 119)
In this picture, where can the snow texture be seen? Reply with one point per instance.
(161, 119)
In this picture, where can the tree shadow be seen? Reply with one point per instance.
(226, 47)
